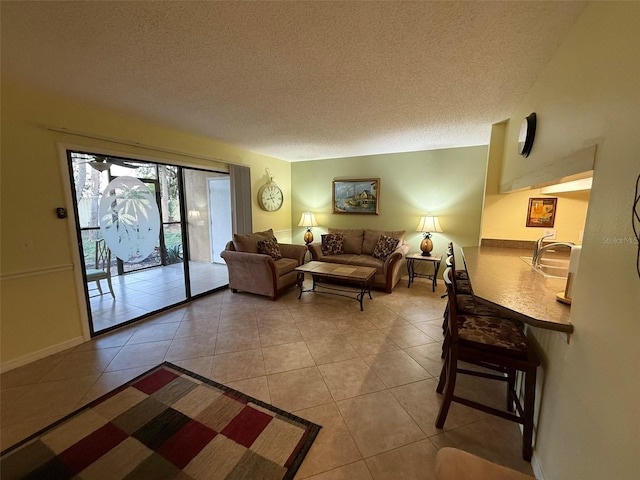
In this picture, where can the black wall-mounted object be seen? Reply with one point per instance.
(527, 135)
(61, 212)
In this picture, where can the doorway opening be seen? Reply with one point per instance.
(163, 228)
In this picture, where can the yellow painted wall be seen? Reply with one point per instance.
(589, 427)
(448, 183)
(504, 215)
(40, 308)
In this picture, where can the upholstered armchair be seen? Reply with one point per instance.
(258, 264)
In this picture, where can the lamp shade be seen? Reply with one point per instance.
(429, 224)
(308, 219)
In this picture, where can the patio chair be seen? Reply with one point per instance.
(102, 267)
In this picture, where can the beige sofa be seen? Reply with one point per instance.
(358, 247)
(260, 273)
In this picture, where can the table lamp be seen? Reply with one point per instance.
(427, 225)
(308, 220)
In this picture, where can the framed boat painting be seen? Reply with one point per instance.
(541, 212)
(356, 196)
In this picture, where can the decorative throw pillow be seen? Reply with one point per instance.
(332, 244)
(385, 247)
(270, 247)
(248, 242)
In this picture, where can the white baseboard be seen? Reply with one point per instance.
(535, 465)
(40, 354)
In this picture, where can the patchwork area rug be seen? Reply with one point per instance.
(167, 423)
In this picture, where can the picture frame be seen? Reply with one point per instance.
(358, 196)
(541, 212)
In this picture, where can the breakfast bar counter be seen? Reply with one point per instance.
(500, 278)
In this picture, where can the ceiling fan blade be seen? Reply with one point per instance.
(100, 166)
(103, 163)
(123, 163)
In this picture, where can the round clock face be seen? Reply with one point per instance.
(527, 134)
(270, 198)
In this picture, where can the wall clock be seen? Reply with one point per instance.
(270, 197)
(527, 134)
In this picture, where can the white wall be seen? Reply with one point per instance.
(589, 425)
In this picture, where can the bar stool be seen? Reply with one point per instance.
(496, 344)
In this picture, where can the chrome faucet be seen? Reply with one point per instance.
(538, 254)
(536, 248)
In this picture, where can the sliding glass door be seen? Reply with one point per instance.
(157, 223)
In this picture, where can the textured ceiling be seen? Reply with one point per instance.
(294, 80)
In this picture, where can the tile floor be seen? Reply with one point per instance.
(367, 377)
(138, 293)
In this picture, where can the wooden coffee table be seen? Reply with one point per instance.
(325, 272)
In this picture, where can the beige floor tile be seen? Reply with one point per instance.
(350, 378)
(433, 329)
(31, 373)
(170, 316)
(197, 327)
(9, 397)
(243, 307)
(378, 423)
(407, 336)
(385, 318)
(265, 304)
(412, 462)
(183, 348)
(310, 329)
(298, 389)
(290, 356)
(333, 447)
(229, 322)
(415, 314)
(432, 306)
(428, 356)
(371, 343)
(331, 349)
(355, 322)
(79, 364)
(274, 318)
(489, 392)
(257, 387)
(389, 425)
(240, 365)
(422, 402)
(312, 311)
(279, 334)
(211, 304)
(396, 368)
(493, 438)
(201, 365)
(198, 313)
(109, 381)
(237, 340)
(353, 471)
(49, 399)
(139, 355)
(154, 333)
(118, 338)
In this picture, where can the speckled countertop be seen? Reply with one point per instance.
(499, 277)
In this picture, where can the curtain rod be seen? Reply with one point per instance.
(138, 144)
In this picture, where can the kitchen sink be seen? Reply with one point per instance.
(550, 267)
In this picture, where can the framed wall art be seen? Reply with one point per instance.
(356, 196)
(541, 212)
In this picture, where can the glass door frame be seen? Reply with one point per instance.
(69, 151)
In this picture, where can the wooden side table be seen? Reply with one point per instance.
(435, 260)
